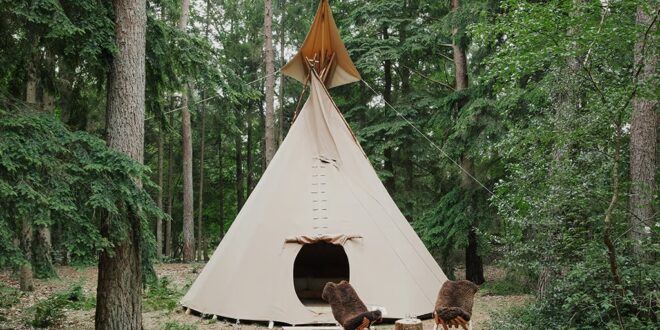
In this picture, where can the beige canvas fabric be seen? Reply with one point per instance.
(319, 184)
(322, 44)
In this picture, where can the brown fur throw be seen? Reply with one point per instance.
(347, 307)
(455, 299)
(364, 320)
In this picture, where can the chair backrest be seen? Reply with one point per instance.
(456, 297)
(344, 301)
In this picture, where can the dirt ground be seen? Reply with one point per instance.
(180, 275)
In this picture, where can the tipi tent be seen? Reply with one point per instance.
(318, 214)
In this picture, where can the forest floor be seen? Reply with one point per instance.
(161, 305)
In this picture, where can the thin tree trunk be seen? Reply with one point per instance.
(240, 194)
(159, 222)
(186, 137)
(119, 291)
(200, 210)
(221, 188)
(473, 263)
(26, 282)
(387, 95)
(26, 276)
(643, 137)
(249, 151)
(170, 192)
(280, 121)
(270, 83)
(201, 245)
(42, 248)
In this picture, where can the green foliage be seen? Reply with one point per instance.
(51, 311)
(507, 286)
(72, 176)
(561, 77)
(161, 296)
(8, 296)
(173, 325)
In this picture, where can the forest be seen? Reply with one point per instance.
(518, 138)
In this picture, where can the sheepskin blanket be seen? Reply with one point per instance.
(455, 299)
(347, 307)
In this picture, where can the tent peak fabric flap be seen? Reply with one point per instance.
(323, 49)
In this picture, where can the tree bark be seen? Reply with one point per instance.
(643, 137)
(240, 192)
(387, 95)
(42, 255)
(26, 282)
(250, 151)
(200, 210)
(408, 324)
(221, 189)
(26, 275)
(280, 121)
(270, 82)
(170, 193)
(119, 291)
(473, 263)
(159, 222)
(186, 137)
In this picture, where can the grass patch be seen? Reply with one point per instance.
(173, 325)
(505, 287)
(50, 311)
(8, 296)
(160, 295)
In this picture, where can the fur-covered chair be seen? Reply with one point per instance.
(453, 308)
(347, 307)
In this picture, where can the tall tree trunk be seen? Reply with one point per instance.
(200, 210)
(26, 276)
(240, 192)
(270, 82)
(159, 222)
(221, 189)
(31, 85)
(250, 151)
(387, 95)
(280, 121)
(643, 136)
(42, 248)
(186, 137)
(119, 291)
(170, 192)
(473, 262)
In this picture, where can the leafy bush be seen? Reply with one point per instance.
(50, 311)
(161, 296)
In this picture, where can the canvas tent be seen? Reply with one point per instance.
(318, 214)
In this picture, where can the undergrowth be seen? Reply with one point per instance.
(51, 311)
(160, 295)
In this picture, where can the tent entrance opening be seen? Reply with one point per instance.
(316, 265)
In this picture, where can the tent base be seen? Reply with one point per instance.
(267, 324)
